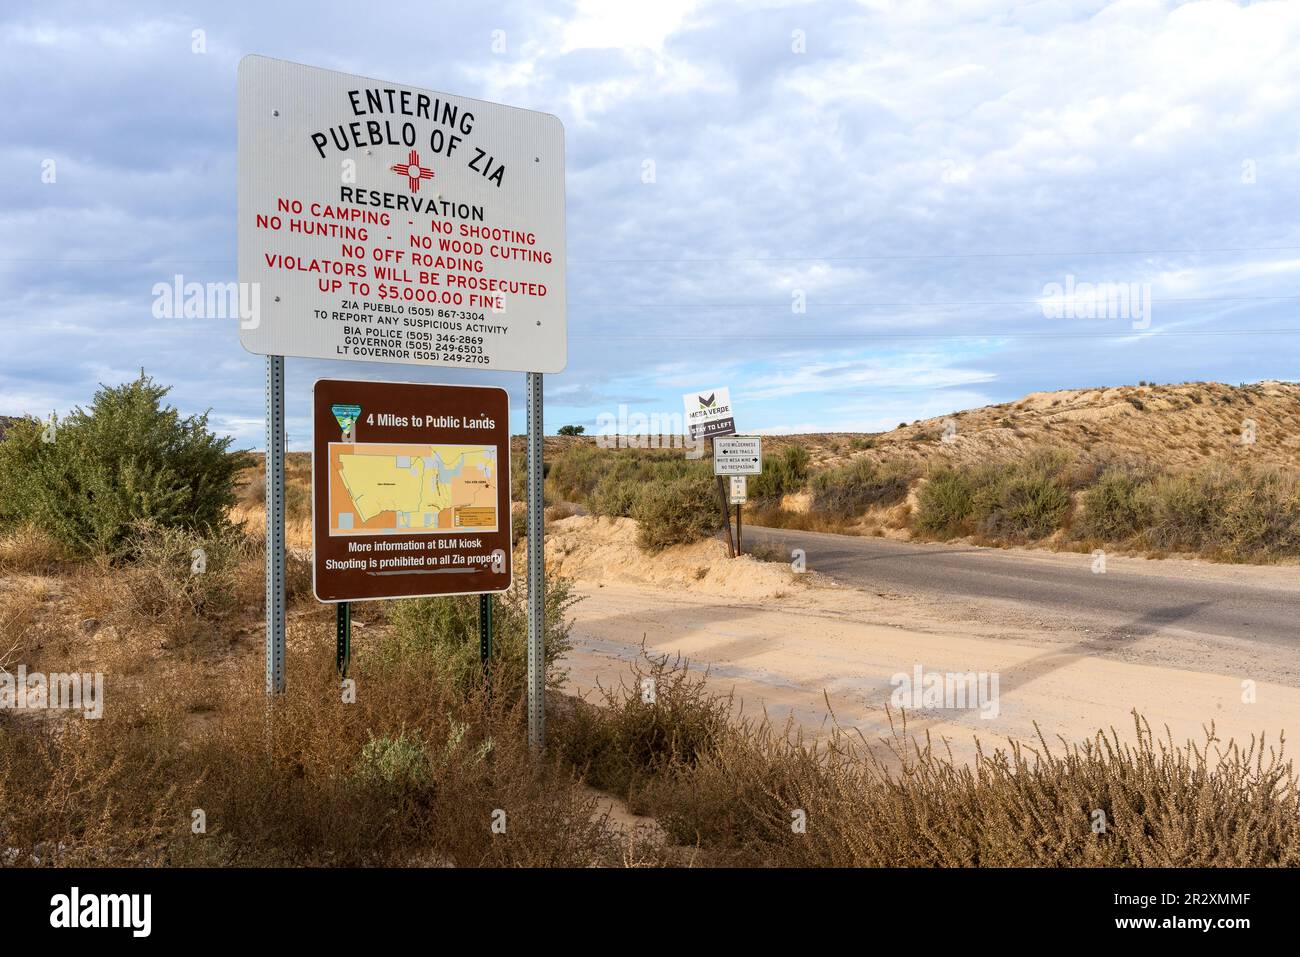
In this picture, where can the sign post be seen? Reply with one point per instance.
(274, 524)
(708, 416)
(536, 574)
(343, 637)
(484, 630)
(737, 456)
(379, 222)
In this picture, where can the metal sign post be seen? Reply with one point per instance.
(722, 497)
(485, 629)
(274, 524)
(536, 572)
(343, 633)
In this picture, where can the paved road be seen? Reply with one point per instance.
(1133, 596)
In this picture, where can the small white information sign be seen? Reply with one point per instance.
(738, 455)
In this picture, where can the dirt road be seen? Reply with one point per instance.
(1133, 596)
(789, 644)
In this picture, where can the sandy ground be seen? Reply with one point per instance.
(788, 644)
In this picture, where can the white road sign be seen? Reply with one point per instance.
(386, 223)
(738, 455)
(708, 413)
(739, 489)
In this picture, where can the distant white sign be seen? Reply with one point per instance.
(386, 223)
(739, 490)
(708, 413)
(738, 455)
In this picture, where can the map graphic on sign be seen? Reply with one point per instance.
(378, 488)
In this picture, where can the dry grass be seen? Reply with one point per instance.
(29, 550)
(414, 771)
(407, 775)
(740, 790)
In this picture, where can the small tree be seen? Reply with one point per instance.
(572, 430)
(126, 459)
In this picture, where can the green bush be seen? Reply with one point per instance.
(945, 503)
(1116, 508)
(443, 632)
(1028, 505)
(614, 497)
(1260, 521)
(576, 472)
(394, 762)
(1184, 509)
(676, 512)
(782, 474)
(125, 460)
(1025, 498)
(1237, 515)
(858, 485)
(663, 720)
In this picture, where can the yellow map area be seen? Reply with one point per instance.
(386, 488)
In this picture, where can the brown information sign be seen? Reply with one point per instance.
(410, 490)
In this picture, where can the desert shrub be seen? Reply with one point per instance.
(856, 486)
(1260, 519)
(1226, 513)
(176, 583)
(442, 634)
(782, 474)
(575, 471)
(1021, 499)
(728, 788)
(30, 549)
(676, 512)
(394, 761)
(663, 718)
(614, 497)
(409, 774)
(1116, 508)
(1025, 505)
(945, 503)
(1184, 509)
(125, 459)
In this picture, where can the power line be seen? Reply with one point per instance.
(915, 256)
(937, 336)
(917, 305)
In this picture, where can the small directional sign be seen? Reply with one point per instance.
(738, 455)
(739, 489)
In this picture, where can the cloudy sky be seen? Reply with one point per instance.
(916, 175)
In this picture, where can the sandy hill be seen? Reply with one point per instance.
(1178, 426)
(1175, 426)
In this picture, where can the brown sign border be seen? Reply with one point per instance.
(403, 399)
